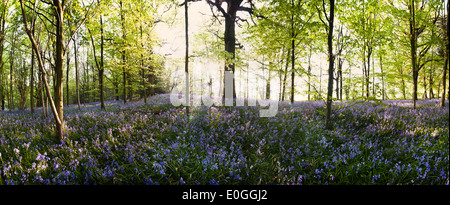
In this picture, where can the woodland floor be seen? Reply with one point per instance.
(371, 143)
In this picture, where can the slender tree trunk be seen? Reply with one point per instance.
(369, 53)
(320, 82)
(330, 65)
(124, 60)
(444, 78)
(11, 73)
(41, 88)
(448, 48)
(285, 76)
(32, 66)
(2, 41)
(32, 83)
(59, 15)
(341, 62)
(425, 94)
(67, 79)
(338, 77)
(363, 81)
(373, 77)
(102, 68)
(268, 82)
(413, 41)
(293, 68)
(77, 80)
(447, 58)
(404, 88)
(383, 92)
(293, 35)
(186, 61)
(309, 74)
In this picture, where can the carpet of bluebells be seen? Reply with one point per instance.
(370, 143)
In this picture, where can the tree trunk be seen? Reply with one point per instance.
(293, 36)
(444, 78)
(268, 83)
(124, 60)
(383, 92)
(59, 15)
(77, 81)
(67, 79)
(309, 74)
(11, 73)
(413, 41)
(101, 69)
(292, 68)
(32, 83)
(447, 56)
(186, 60)
(369, 53)
(230, 40)
(330, 65)
(2, 41)
(425, 95)
(57, 115)
(363, 81)
(285, 76)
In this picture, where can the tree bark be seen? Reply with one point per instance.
(413, 41)
(383, 92)
(293, 67)
(67, 80)
(230, 39)
(444, 78)
(186, 61)
(101, 69)
(309, 74)
(369, 53)
(2, 41)
(124, 60)
(11, 73)
(59, 53)
(57, 115)
(285, 75)
(447, 56)
(330, 65)
(77, 80)
(32, 82)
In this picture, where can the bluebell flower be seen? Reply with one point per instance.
(181, 181)
(213, 182)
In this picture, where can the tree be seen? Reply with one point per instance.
(419, 21)
(124, 58)
(3, 13)
(282, 26)
(329, 28)
(186, 62)
(58, 9)
(230, 15)
(447, 57)
(100, 65)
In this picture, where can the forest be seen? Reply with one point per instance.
(360, 87)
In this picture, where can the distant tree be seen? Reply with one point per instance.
(447, 58)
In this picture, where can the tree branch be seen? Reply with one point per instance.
(217, 4)
(79, 26)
